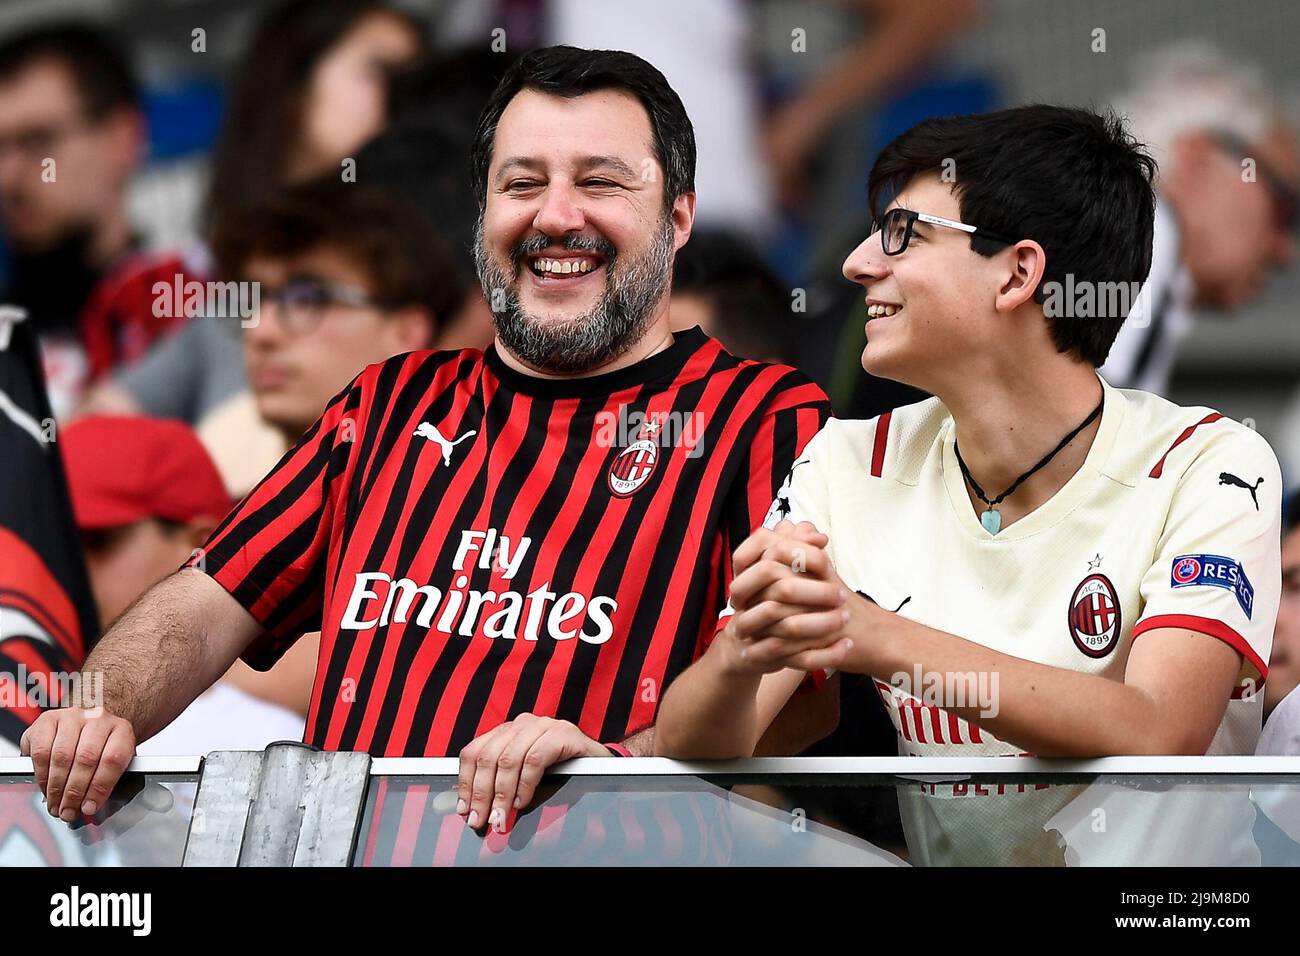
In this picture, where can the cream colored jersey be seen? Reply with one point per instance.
(1172, 521)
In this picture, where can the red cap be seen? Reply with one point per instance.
(123, 469)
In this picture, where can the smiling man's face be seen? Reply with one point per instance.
(575, 246)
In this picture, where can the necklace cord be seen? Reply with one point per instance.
(1046, 458)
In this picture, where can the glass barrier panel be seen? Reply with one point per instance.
(848, 819)
(144, 824)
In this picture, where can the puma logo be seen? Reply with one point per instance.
(425, 430)
(1227, 478)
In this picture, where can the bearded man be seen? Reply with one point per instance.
(509, 553)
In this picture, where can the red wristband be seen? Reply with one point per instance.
(618, 750)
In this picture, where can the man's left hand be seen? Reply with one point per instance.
(500, 770)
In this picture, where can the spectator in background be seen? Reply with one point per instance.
(1281, 704)
(348, 276)
(1284, 664)
(311, 89)
(896, 37)
(1227, 201)
(146, 495)
(421, 164)
(742, 155)
(421, 160)
(71, 134)
(723, 285)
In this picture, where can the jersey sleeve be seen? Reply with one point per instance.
(773, 463)
(801, 495)
(1218, 568)
(270, 551)
(779, 447)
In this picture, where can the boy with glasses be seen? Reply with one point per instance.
(344, 277)
(1032, 562)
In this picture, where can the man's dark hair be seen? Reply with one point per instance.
(1072, 180)
(750, 305)
(405, 259)
(569, 72)
(99, 68)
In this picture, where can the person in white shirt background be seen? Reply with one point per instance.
(1281, 735)
(1228, 169)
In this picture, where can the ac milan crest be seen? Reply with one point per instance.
(632, 467)
(1095, 616)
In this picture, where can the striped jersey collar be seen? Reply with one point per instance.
(666, 363)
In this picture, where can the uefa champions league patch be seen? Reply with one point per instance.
(1191, 570)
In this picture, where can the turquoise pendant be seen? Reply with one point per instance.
(992, 521)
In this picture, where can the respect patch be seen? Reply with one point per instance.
(1191, 570)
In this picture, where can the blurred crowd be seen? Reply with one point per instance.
(330, 225)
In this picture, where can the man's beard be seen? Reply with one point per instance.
(585, 341)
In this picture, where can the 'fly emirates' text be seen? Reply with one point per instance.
(378, 599)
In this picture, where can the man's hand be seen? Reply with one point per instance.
(501, 769)
(78, 756)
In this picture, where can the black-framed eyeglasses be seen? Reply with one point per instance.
(303, 300)
(1286, 199)
(895, 227)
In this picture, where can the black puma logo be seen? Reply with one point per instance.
(1227, 478)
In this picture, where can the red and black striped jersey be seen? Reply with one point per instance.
(475, 543)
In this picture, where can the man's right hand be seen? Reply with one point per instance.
(78, 756)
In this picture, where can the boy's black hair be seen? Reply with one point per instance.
(1073, 180)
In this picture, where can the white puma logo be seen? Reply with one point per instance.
(425, 430)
